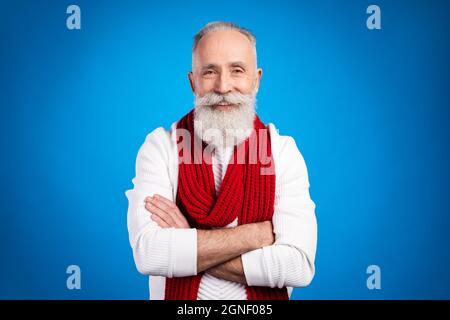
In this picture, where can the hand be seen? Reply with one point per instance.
(165, 213)
(265, 233)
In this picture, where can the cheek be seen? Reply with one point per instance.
(244, 85)
(204, 86)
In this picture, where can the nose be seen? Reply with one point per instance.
(223, 84)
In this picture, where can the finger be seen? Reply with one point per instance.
(162, 202)
(163, 199)
(170, 208)
(159, 221)
(170, 204)
(161, 213)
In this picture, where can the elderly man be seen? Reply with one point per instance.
(220, 207)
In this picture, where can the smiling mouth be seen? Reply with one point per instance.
(223, 106)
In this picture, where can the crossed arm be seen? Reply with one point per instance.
(218, 251)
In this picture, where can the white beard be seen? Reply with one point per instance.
(224, 128)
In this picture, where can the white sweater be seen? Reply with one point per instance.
(172, 252)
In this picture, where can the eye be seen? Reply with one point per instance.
(208, 72)
(237, 70)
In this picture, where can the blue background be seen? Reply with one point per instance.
(369, 111)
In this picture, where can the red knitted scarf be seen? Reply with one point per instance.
(244, 193)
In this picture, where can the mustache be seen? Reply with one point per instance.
(212, 98)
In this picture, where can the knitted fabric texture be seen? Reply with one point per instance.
(247, 192)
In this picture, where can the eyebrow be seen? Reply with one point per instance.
(214, 66)
(210, 66)
(240, 64)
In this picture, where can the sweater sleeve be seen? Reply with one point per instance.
(157, 251)
(290, 260)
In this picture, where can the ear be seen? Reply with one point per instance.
(191, 81)
(258, 78)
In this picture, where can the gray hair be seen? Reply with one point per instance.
(221, 25)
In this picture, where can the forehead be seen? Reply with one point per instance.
(222, 46)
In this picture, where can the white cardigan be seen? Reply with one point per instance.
(172, 252)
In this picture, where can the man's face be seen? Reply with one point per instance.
(224, 62)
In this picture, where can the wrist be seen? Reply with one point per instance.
(250, 236)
